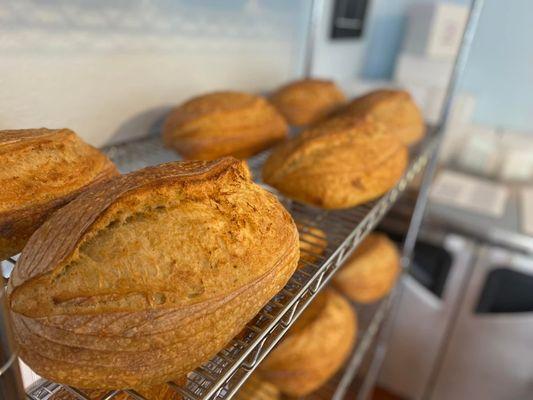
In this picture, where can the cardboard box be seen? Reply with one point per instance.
(435, 29)
(423, 70)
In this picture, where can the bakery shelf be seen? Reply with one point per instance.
(370, 319)
(222, 376)
(365, 343)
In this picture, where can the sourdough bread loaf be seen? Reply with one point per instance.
(222, 124)
(256, 388)
(42, 169)
(395, 109)
(314, 348)
(371, 271)
(141, 279)
(340, 163)
(306, 101)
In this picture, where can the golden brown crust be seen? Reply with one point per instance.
(142, 278)
(221, 124)
(256, 388)
(395, 109)
(306, 101)
(314, 348)
(371, 272)
(42, 170)
(340, 163)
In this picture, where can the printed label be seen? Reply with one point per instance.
(470, 193)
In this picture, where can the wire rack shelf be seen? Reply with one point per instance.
(222, 376)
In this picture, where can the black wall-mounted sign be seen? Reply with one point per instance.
(348, 18)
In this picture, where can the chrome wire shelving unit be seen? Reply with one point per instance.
(222, 376)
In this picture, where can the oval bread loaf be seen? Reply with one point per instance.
(256, 388)
(42, 169)
(338, 164)
(395, 109)
(371, 271)
(306, 101)
(141, 279)
(222, 124)
(314, 348)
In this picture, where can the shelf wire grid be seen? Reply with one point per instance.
(369, 320)
(222, 376)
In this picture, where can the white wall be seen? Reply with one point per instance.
(110, 70)
(499, 70)
(338, 59)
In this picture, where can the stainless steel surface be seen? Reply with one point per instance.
(44, 390)
(368, 384)
(423, 321)
(10, 380)
(502, 231)
(221, 377)
(488, 354)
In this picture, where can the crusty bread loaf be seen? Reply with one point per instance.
(256, 388)
(142, 278)
(306, 101)
(222, 124)
(313, 242)
(395, 109)
(339, 164)
(42, 169)
(314, 348)
(371, 271)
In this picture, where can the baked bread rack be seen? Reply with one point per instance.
(222, 376)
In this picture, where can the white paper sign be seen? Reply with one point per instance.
(527, 210)
(470, 193)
